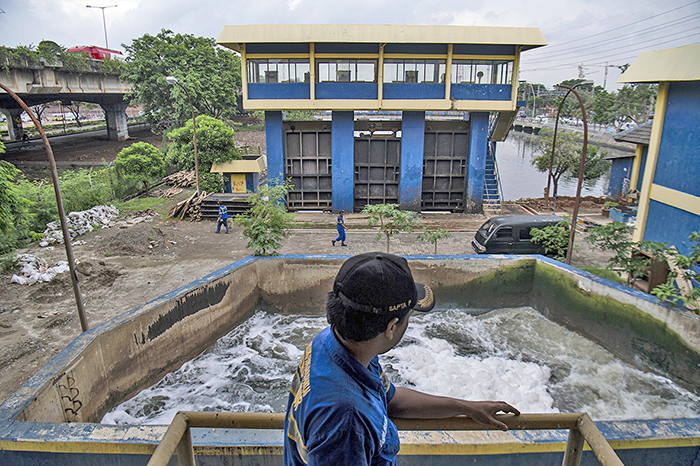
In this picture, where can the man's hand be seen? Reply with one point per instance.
(483, 411)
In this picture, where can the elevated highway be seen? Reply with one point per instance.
(38, 83)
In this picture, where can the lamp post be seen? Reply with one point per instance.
(104, 22)
(173, 80)
(61, 212)
(582, 166)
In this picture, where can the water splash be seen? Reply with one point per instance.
(515, 355)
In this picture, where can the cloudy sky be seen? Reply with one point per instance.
(583, 35)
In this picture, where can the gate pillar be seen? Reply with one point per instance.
(274, 146)
(476, 168)
(343, 160)
(412, 141)
(14, 123)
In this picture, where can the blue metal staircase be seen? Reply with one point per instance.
(492, 203)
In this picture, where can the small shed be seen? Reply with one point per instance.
(241, 176)
(625, 169)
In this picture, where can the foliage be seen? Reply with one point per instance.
(391, 220)
(13, 206)
(267, 222)
(687, 269)
(635, 102)
(142, 161)
(433, 235)
(554, 239)
(212, 76)
(567, 159)
(215, 144)
(53, 54)
(604, 108)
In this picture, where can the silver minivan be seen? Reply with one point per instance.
(511, 234)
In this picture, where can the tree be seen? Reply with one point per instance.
(215, 144)
(604, 108)
(433, 235)
(211, 74)
(74, 108)
(567, 159)
(267, 222)
(635, 102)
(391, 220)
(140, 161)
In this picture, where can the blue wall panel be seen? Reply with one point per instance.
(412, 140)
(362, 91)
(277, 47)
(412, 49)
(480, 49)
(343, 160)
(274, 143)
(678, 164)
(476, 169)
(480, 91)
(642, 166)
(621, 168)
(413, 91)
(279, 91)
(667, 224)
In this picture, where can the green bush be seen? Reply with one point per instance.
(554, 239)
(141, 162)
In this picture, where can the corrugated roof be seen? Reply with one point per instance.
(679, 64)
(233, 36)
(638, 135)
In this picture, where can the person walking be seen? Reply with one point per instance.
(340, 400)
(223, 218)
(340, 226)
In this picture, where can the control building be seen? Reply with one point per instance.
(414, 111)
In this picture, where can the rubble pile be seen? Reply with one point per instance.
(34, 269)
(79, 223)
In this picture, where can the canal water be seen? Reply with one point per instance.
(519, 179)
(515, 355)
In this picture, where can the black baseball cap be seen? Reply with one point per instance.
(381, 283)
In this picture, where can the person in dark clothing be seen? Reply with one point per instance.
(340, 226)
(340, 401)
(223, 218)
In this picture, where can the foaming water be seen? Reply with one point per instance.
(515, 355)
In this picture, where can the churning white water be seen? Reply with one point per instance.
(515, 355)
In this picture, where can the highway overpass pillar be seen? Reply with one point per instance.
(14, 123)
(115, 115)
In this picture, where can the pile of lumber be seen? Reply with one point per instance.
(177, 181)
(190, 207)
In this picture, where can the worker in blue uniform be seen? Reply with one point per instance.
(340, 226)
(222, 219)
(340, 402)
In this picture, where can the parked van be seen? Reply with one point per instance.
(511, 234)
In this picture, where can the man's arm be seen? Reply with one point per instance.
(413, 404)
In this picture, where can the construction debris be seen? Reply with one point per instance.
(181, 179)
(79, 223)
(190, 207)
(34, 269)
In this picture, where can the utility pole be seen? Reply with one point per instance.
(104, 22)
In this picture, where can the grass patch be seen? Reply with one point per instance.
(157, 204)
(604, 273)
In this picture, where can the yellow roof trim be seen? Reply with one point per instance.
(678, 64)
(234, 36)
(240, 166)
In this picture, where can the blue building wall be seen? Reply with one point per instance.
(481, 91)
(343, 160)
(411, 91)
(361, 91)
(476, 168)
(279, 91)
(642, 166)
(412, 140)
(274, 143)
(678, 165)
(668, 224)
(619, 170)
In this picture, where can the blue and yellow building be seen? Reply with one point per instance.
(669, 203)
(363, 74)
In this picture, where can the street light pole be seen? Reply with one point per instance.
(173, 80)
(104, 22)
(61, 212)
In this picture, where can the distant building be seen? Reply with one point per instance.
(379, 82)
(669, 204)
(626, 171)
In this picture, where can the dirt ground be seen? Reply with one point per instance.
(130, 264)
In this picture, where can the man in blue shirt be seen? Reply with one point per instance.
(340, 226)
(340, 402)
(223, 218)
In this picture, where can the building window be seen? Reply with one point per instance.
(399, 70)
(482, 71)
(346, 70)
(278, 70)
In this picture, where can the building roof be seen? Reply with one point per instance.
(240, 166)
(679, 64)
(638, 135)
(234, 36)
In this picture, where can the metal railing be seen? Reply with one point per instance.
(178, 439)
